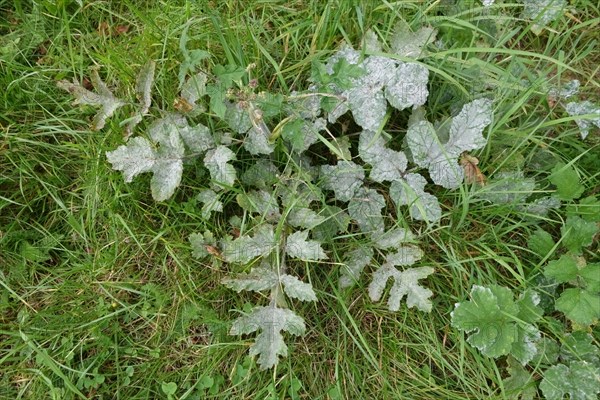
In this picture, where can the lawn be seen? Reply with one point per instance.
(145, 289)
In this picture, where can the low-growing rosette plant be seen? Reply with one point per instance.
(290, 212)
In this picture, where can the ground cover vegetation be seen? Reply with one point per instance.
(309, 199)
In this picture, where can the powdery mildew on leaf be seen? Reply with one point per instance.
(467, 127)
(392, 239)
(245, 248)
(411, 191)
(193, 90)
(143, 91)
(508, 187)
(104, 99)
(270, 320)
(298, 247)
(465, 134)
(354, 263)
(136, 157)
(408, 86)
(410, 44)
(344, 178)
(582, 108)
(368, 106)
(304, 218)
(404, 255)
(210, 202)
(296, 289)
(262, 174)
(365, 208)
(406, 283)
(388, 164)
(257, 142)
(542, 12)
(216, 161)
(168, 167)
(259, 279)
(260, 202)
(579, 380)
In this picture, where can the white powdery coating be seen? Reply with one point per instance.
(408, 86)
(298, 247)
(542, 12)
(216, 163)
(583, 108)
(136, 157)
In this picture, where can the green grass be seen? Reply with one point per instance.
(100, 296)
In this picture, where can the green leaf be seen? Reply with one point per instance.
(578, 233)
(217, 100)
(345, 74)
(579, 305)
(567, 182)
(405, 284)
(588, 209)
(501, 326)
(541, 242)
(579, 380)
(269, 344)
(520, 385)
(228, 74)
(578, 346)
(562, 270)
(200, 242)
(169, 388)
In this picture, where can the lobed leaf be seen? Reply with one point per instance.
(405, 284)
(298, 247)
(245, 248)
(270, 320)
(345, 178)
(579, 380)
(216, 161)
(365, 208)
(354, 263)
(104, 99)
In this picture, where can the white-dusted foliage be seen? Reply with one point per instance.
(104, 98)
(466, 134)
(269, 343)
(289, 209)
